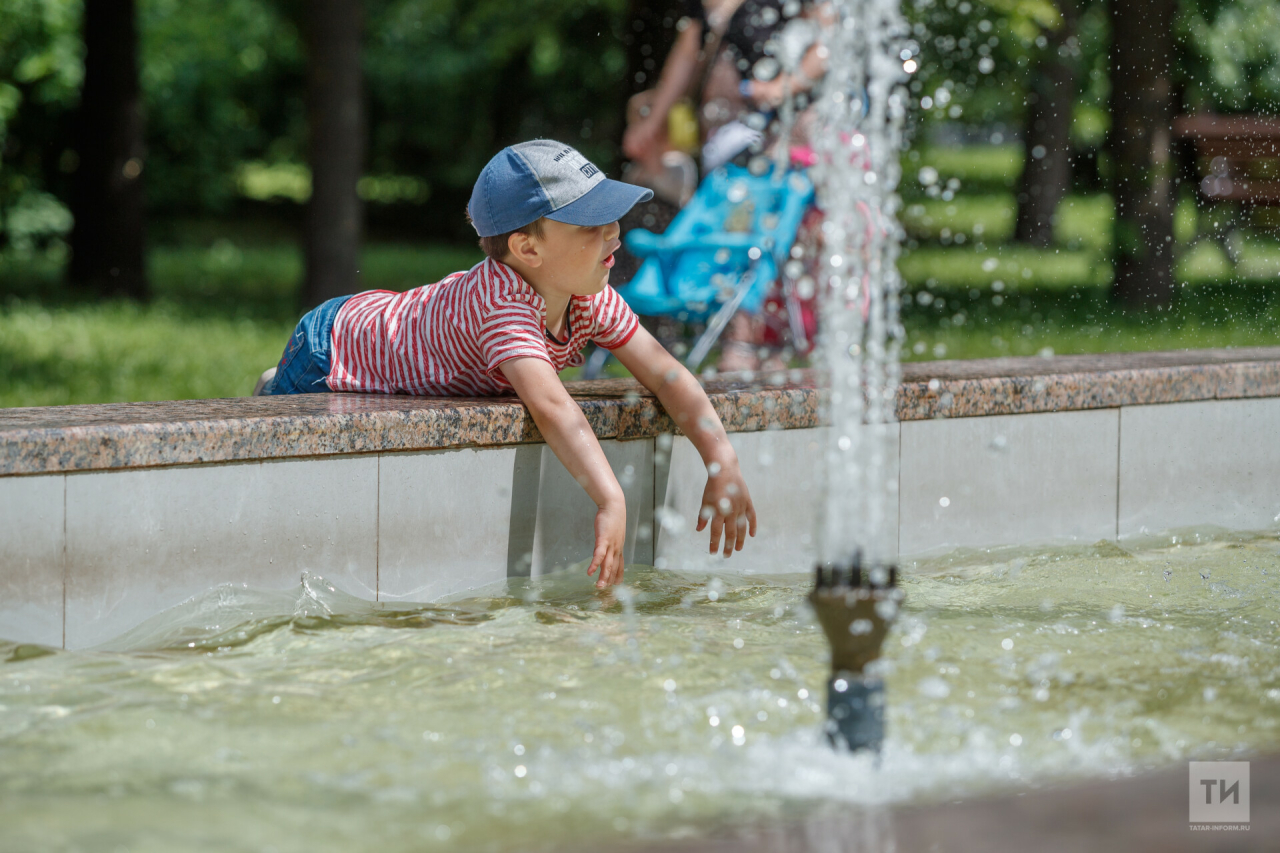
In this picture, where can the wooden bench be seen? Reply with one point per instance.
(1237, 162)
(1237, 149)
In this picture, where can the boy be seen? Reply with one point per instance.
(548, 222)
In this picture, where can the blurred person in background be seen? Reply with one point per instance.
(738, 61)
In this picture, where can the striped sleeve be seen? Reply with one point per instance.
(511, 329)
(613, 320)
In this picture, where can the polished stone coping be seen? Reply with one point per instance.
(139, 435)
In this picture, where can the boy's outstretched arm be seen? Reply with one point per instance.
(570, 437)
(726, 503)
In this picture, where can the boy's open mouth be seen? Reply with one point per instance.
(609, 259)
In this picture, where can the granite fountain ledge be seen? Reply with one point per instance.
(142, 435)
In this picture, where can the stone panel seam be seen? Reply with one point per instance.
(64, 561)
(1119, 440)
(377, 531)
(898, 545)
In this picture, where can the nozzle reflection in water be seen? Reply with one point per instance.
(855, 607)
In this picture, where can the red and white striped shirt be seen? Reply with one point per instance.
(447, 339)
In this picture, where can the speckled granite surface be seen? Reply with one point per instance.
(135, 435)
(1001, 386)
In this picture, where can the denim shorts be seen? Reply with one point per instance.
(308, 356)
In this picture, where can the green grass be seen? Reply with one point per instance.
(119, 351)
(220, 316)
(981, 323)
(225, 294)
(1084, 221)
(262, 281)
(993, 165)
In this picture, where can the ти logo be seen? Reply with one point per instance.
(1219, 792)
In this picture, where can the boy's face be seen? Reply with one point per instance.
(576, 259)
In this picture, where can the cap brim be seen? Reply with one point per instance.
(608, 201)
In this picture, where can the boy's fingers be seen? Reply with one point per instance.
(607, 563)
(751, 517)
(742, 533)
(717, 525)
(703, 516)
(615, 570)
(730, 535)
(597, 561)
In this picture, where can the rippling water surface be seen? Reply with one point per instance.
(545, 715)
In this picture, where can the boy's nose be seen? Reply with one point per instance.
(611, 231)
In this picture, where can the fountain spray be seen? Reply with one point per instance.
(861, 108)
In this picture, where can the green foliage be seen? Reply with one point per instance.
(1233, 54)
(975, 57)
(222, 82)
(40, 75)
(451, 81)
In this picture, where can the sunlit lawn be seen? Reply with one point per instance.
(224, 306)
(221, 315)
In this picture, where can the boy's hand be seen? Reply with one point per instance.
(611, 533)
(726, 504)
(565, 428)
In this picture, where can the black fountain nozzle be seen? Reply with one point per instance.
(855, 605)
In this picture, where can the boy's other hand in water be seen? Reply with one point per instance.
(726, 506)
(726, 503)
(611, 535)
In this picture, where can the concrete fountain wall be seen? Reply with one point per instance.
(109, 514)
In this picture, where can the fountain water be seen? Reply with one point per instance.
(860, 118)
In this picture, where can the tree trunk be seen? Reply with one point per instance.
(106, 197)
(1046, 171)
(1140, 144)
(335, 116)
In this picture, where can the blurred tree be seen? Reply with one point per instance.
(335, 148)
(107, 193)
(1046, 170)
(40, 75)
(1140, 144)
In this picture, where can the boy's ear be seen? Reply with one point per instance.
(524, 248)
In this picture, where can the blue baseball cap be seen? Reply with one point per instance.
(525, 182)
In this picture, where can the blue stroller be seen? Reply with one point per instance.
(721, 253)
